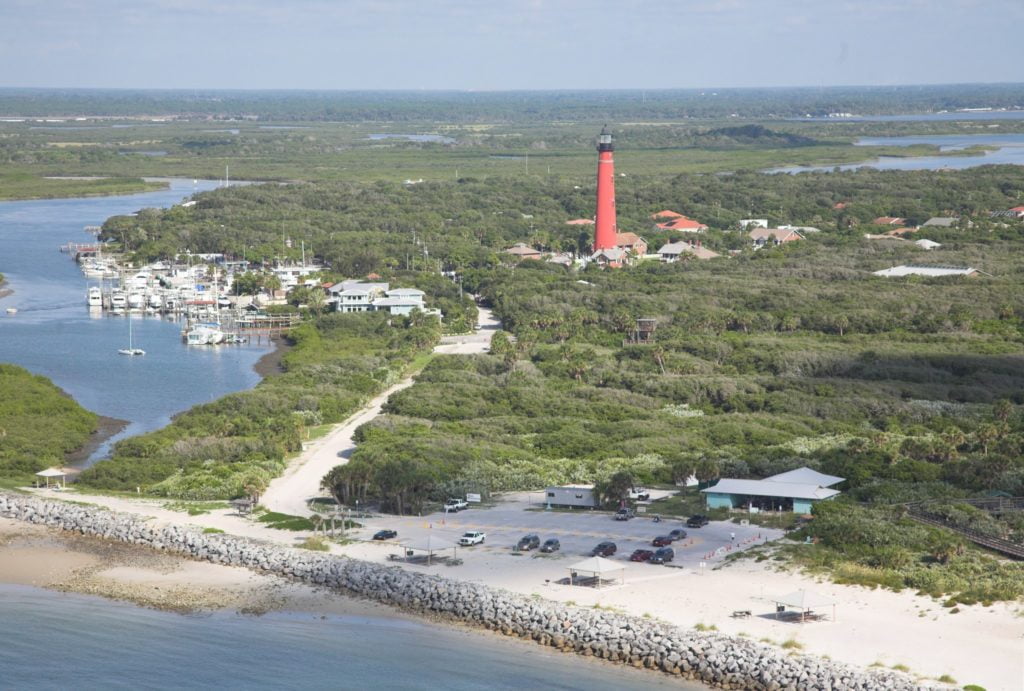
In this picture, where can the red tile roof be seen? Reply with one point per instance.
(1017, 208)
(682, 223)
(839, 205)
(888, 221)
(667, 214)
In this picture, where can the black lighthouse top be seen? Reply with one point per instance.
(604, 140)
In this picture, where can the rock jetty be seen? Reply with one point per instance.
(711, 658)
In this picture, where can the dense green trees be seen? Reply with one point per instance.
(39, 424)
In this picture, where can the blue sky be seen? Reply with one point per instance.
(507, 44)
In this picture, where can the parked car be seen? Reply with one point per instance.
(604, 549)
(662, 541)
(677, 534)
(551, 545)
(663, 555)
(454, 505)
(639, 494)
(528, 542)
(623, 514)
(697, 521)
(641, 555)
(385, 534)
(473, 537)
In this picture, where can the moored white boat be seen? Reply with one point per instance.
(131, 349)
(204, 334)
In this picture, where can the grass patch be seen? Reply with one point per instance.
(901, 668)
(701, 626)
(212, 531)
(792, 644)
(317, 432)
(283, 521)
(946, 679)
(193, 508)
(316, 544)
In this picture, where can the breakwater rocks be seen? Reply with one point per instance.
(714, 659)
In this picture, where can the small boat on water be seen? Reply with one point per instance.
(12, 310)
(95, 297)
(131, 349)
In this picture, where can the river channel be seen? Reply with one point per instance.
(1005, 149)
(54, 334)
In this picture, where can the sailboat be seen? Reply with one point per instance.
(131, 350)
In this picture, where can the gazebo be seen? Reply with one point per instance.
(804, 601)
(431, 544)
(53, 472)
(599, 568)
(243, 507)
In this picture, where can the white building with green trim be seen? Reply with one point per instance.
(795, 490)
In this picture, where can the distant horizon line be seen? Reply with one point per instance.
(408, 90)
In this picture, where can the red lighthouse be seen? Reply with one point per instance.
(605, 230)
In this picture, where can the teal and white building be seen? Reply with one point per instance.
(796, 490)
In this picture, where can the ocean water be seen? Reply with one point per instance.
(54, 333)
(59, 641)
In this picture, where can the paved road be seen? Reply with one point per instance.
(300, 482)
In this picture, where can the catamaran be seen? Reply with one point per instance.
(131, 349)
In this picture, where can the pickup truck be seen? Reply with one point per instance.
(639, 494)
(473, 537)
(454, 505)
(623, 514)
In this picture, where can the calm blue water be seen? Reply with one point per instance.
(55, 335)
(1010, 151)
(58, 641)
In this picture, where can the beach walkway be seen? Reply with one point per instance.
(292, 491)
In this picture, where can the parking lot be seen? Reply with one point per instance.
(578, 531)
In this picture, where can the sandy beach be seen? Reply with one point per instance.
(42, 557)
(977, 645)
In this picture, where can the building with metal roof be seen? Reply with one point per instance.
(796, 490)
(806, 476)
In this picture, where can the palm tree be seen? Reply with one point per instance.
(659, 356)
(707, 470)
(316, 300)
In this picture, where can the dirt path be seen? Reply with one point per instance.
(291, 492)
